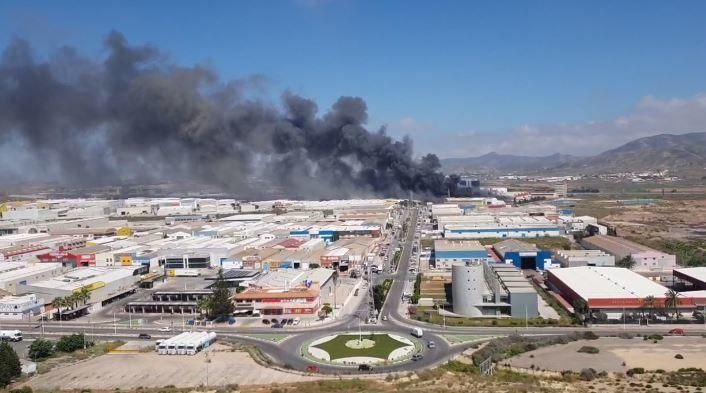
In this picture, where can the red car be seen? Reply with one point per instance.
(676, 332)
(312, 369)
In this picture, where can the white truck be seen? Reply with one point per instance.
(417, 332)
(11, 335)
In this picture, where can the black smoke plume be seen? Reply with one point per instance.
(136, 116)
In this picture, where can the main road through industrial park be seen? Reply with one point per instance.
(288, 352)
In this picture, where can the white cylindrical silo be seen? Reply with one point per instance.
(467, 287)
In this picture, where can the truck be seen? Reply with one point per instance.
(11, 335)
(183, 273)
(417, 332)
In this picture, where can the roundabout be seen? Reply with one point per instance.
(355, 349)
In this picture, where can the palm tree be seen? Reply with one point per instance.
(84, 295)
(672, 301)
(58, 303)
(335, 284)
(649, 303)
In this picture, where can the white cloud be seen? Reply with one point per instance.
(650, 116)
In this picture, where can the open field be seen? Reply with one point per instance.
(131, 371)
(617, 355)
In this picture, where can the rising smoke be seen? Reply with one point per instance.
(135, 116)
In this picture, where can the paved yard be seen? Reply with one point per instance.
(129, 371)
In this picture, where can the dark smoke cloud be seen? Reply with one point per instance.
(136, 116)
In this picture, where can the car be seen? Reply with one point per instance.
(276, 326)
(290, 321)
(417, 356)
(274, 320)
(312, 369)
(144, 336)
(676, 332)
(296, 321)
(384, 317)
(365, 367)
(355, 293)
(431, 345)
(266, 321)
(165, 329)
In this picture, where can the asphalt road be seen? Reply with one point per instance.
(288, 352)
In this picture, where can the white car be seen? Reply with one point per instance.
(165, 329)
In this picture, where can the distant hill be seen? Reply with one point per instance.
(684, 154)
(494, 162)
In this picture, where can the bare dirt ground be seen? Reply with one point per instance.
(668, 219)
(130, 371)
(618, 355)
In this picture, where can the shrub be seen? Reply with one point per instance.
(587, 349)
(41, 349)
(71, 343)
(24, 389)
(587, 374)
(589, 335)
(635, 371)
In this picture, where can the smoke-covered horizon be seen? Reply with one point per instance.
(136, 116)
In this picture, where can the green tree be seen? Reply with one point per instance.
(58, 303)
(580, 309)
(672, 301)
(41, 349)
(10, 367)
(71, 343)
(326, 309)
(649, 303)
(221, 304)
(334, 277)
(378, 296)
(204, 304)
(83, 295)
(628, 262)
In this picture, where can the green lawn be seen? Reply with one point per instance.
(384, 345)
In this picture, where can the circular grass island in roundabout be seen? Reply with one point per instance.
(353, 349)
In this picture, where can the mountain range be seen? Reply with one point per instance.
(683, 154)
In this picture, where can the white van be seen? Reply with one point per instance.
(417, 332)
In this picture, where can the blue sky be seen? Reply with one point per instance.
(461, 77)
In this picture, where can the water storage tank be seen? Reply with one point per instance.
(467, 287)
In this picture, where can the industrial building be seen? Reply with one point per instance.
(523, 255)
(14, 276)
(448, 253)
(694, 276)
(501, 227)
(277, 302)
(482, 289)
(285, 292)
(646, 259)
(103, 283)
(611, 289)
(574, 258)
(19, 308)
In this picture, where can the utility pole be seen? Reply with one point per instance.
(115, 325)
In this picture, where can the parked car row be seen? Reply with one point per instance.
(276, 323)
